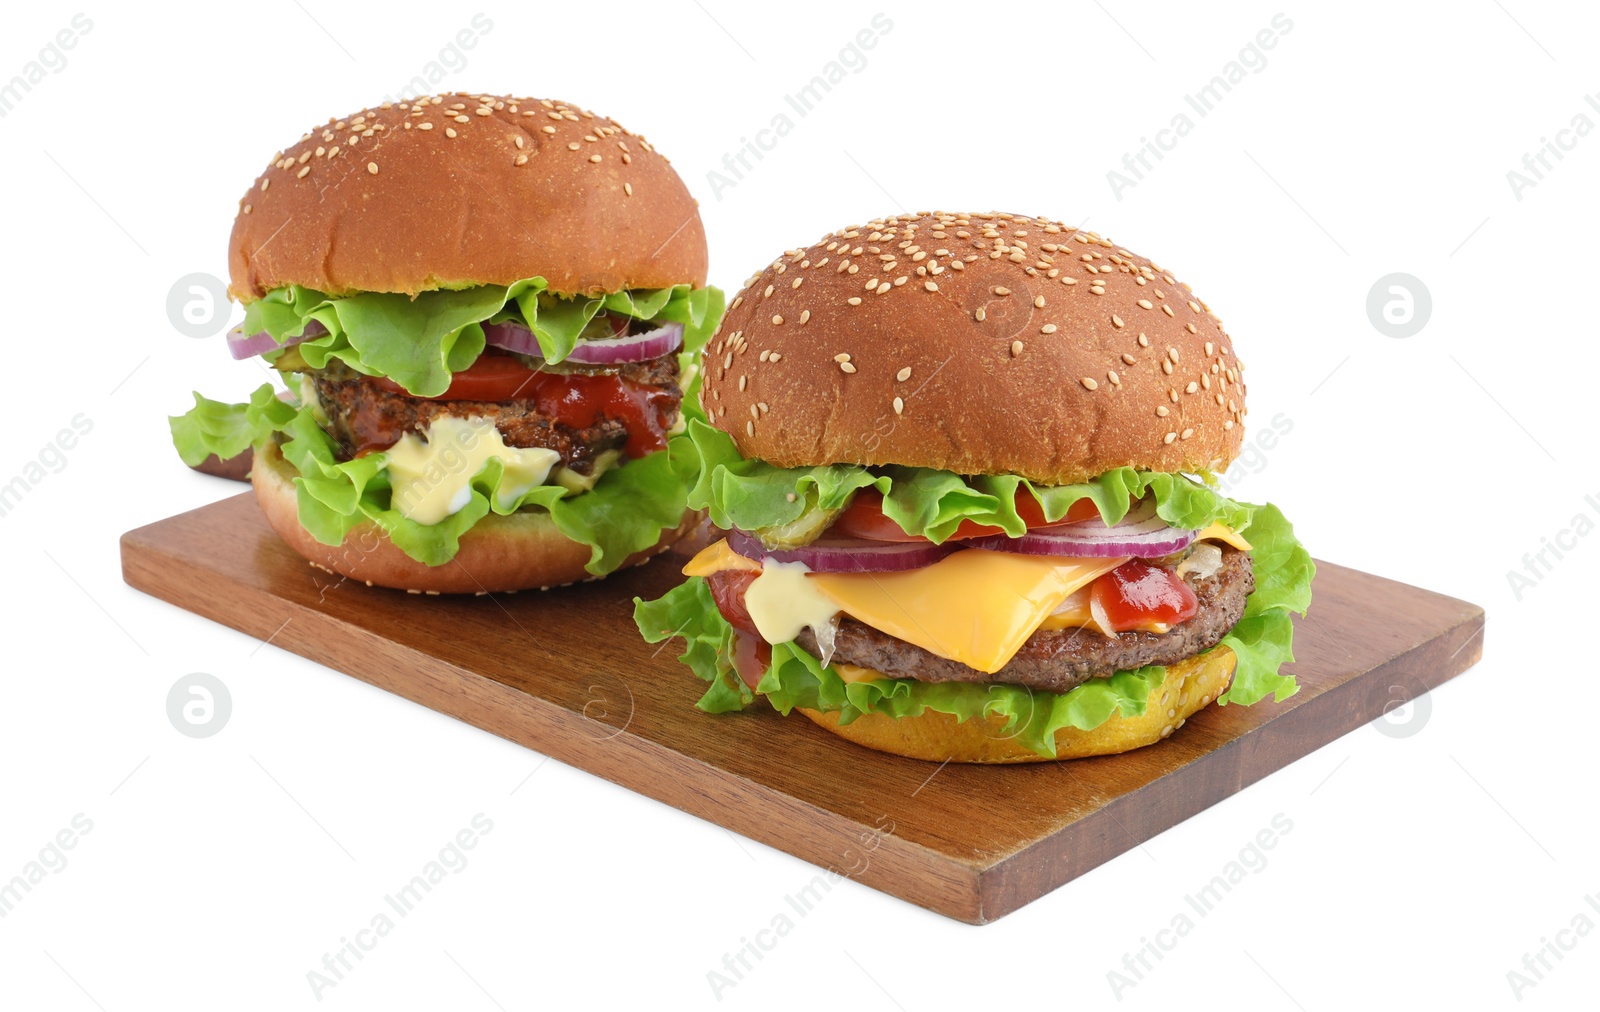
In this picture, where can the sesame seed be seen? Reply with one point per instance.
(777, 320)
(1116, 321)
(764, 406)
(247, 208)
(903, 374)
(1186, 434)
(884, 287)
(1048, 328)
(626, 187)
(805, 314)
(932, 286)
(854, 300)
(548, 129)
(1146, 304)
(978, 314)
(1192, 387)
(767, 294)
(1166, 366)
(1069, 281)
(1038, 302)
(843, 356)
(1000, 290)
(899, 405)
(449, 131)
(1166, 309)
(264, 184)
(1111, 375)
(1170, 438)
(742, 381)
(1194, 305)
(749, 428)
(303, 173)
(1128, 359)
(1089, 383)
(1144, 342)
(1016, 348)
(775, 357)
(463, 119)
(372, 167)
(1162, 411)
(902, 279)
(594, 158)
(846, 367)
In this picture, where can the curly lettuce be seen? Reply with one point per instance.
(1261, 641)
(421, 341)
(754, 496)
(623, 513)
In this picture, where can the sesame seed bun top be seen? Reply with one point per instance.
(974, 343)
(451, 191)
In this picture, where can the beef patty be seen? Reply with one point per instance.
(362, 414)
(1055, 660)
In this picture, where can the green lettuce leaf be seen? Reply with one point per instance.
(624, 513)
(753, 495)
(419, 342)
(688, 611)
(1262, 641)
(226, 429)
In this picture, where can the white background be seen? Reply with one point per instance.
(1421, 866)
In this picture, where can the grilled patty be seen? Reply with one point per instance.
(363, 414)
(1056, 660)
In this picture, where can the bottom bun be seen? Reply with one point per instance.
(940, 737)
(498, 554)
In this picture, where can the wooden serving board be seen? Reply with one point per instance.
(570, 677)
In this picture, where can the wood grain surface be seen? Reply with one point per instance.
(565, 673)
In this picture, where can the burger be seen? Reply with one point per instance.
(966, 466)
(482, 308)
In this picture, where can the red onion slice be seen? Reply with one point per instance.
(241, 345)
(515, 337)
(1141, 535)
(847, 555)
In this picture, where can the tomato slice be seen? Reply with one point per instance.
(864, 518)
(752, 656)
(493, 377)
(579, 400)
(727, 591)
(1137, 593)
